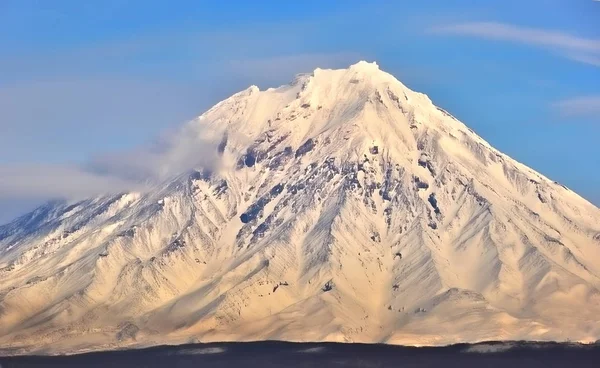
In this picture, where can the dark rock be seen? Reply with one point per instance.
(222, 144)
(221, 188)
(255, 210)
(175, 244)
(376, 237)
(245, 218)
(128, 331)
(420, 184)
(539, 195)
(250, 159)
(277, 189)
(200, 175)
(305, 147)
(433, 201)
(129, 233)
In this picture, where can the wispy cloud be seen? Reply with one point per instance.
(583, 106)
(586, 59)
(581, 49)
(137, 169)
(44, 181)
(170, 154)
(87, 113)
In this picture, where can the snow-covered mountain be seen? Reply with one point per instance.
(341, 207)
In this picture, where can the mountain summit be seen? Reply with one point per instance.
(340, 207)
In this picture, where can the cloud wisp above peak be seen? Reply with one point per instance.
(92, 118)
(582, 106)
(576, 48)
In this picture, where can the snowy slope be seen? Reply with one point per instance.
(341, 207)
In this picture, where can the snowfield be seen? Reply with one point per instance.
(341, 207)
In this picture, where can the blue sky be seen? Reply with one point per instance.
(84, 80)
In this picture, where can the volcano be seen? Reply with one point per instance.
(341, 207)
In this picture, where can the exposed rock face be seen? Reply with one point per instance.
(388, 219)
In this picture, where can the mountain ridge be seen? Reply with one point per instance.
(340, 207)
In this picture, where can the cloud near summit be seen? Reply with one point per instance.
(94, 108)
(136, 169)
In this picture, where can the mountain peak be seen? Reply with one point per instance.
(361, 75)
(354, 106)
(364, 70)
(364, 65)
(361, 65)
(344, 194)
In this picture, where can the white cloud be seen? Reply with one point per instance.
(134, 170)
(586, 59)
(137, 169)
(587, 106)
(581, 49)
(169, 155)
(41, 182)
(72, 114)
(188, 146)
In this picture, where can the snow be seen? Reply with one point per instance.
(489, 250)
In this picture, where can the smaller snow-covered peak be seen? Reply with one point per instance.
(362, 75)
(252, 89)
(324, 100)
(362, 66)
(365, 66)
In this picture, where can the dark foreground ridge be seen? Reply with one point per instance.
(292, 355)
